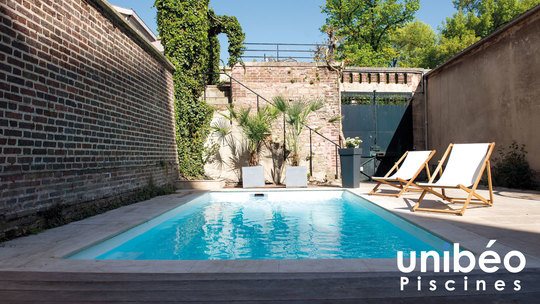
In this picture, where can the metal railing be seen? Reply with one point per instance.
(310, 129)
(281, 51)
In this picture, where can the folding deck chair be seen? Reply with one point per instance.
(464, 169)
(408, 168)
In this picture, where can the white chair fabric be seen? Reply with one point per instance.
(412, 163)
(463, 166)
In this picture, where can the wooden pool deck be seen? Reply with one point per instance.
(80, 287)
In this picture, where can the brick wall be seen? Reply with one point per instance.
(295, 81)
(356, 79)
(86, 110)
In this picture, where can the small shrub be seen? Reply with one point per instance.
(511, 168)
(354, 142)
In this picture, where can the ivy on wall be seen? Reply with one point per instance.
(229, 26)
(188, 31)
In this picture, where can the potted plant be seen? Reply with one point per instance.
(351, 161)
(257, 128)
(296, 115)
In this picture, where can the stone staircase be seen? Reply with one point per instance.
(218, 96)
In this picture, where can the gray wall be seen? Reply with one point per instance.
(490, 92)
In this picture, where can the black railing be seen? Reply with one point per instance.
(311, 130)
(281, 51)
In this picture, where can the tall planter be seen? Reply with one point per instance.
(253, 177)
(296, 177)
(351, 161)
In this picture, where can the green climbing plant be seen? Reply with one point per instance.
(188, 31)
(229, 26)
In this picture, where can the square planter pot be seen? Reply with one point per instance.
(351, 161)
(252, 177)
(295, 177)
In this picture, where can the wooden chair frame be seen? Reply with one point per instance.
(472, 198)
(401, 184)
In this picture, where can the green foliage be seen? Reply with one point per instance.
(257, 128)
(213, 66)
(238, 154)
(364, 28)
(378, 32)
(353, 142)
(229, 26)
(296, 113)
(414, 44)
(380, 99)
(474, 20)
(511, 168)
(485, 16)
(188, 31)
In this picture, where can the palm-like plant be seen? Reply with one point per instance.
(257, 127)
(296, 115)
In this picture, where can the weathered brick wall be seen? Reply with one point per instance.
(86, 109)
(356, 79)
(296, 81)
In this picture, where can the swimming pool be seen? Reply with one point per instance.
(269, 225)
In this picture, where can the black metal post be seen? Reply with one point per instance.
(284, 139)
(257, 103)
(337, 172)
(310, 155)
(277, 51)
(375, 116)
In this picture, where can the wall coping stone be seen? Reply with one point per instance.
(107, 10)
(385, 70)
(282, 64)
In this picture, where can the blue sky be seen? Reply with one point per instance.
(288, 21)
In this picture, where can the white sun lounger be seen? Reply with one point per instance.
(408, 168)
(464, 169)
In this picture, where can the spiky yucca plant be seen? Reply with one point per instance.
(297, 113)
(257, 127)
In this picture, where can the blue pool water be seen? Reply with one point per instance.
(280, 225)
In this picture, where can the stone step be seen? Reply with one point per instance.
(217, 101)
(215, 91)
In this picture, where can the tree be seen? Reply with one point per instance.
(414, 44)
(485, 16)
(188, 32)
(364, 27)
(474, 20)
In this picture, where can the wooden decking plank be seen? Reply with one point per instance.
(88, 288)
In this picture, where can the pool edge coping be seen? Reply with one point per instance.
(54, 263)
